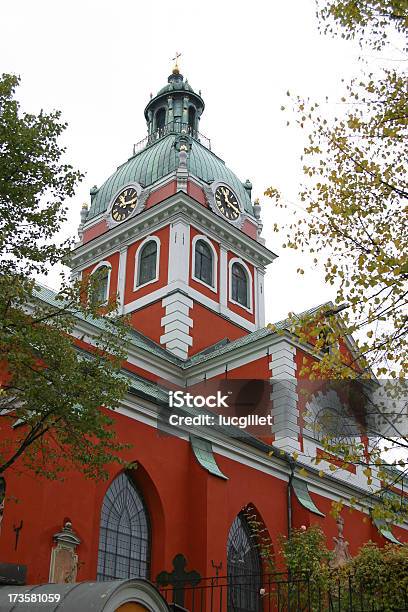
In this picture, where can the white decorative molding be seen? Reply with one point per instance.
(194, 295)
(182, 170)
(177, 207)
(204, 238)
(151, 238)
(284, 396)
(250, 279)
(177, 324)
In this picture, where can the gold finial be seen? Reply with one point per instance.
(85, 205)
(175, 60)
(257, 201)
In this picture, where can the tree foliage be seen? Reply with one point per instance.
(372, 22)
(355, 192)
(51, 391)
(375, 579)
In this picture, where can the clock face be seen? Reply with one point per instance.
(124, 204)
(227, 203)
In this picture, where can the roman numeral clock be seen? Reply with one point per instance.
(126, 203)
(225, 203)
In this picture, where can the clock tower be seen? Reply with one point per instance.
(174, 234)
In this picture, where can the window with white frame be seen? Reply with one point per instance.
(99, 289)
(204, 263)
(240, 285)
(147, 262)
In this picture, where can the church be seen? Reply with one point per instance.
(176, 236)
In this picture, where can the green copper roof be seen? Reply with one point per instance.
(203, 452)
(135, 338)
(159, 160)
(302, 493)
(385, 531)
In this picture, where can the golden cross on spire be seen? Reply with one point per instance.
(175, 60)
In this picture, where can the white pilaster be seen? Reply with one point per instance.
(177, 324)
(179, 252)
(122, 277)
(260, 297)
(223, 277)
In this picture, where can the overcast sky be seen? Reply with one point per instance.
(98, 62)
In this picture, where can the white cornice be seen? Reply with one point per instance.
(178, 206)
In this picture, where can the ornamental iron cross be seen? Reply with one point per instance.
(178, 579)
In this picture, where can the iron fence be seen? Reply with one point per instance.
(280, 592)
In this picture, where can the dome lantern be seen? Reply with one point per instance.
(176, 108)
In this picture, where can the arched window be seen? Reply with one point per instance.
(100, 284)
(191, 120)
(124, 539)
(243, 568)
(204, 263)
(160, 121)
(239, 285)
(147, 263)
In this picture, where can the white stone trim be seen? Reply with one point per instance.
(284, 396)
(260, 297)
(204, 238)
(193, 294)
(177, 324)
(333, 488)
(241, 262)
(179, 206)
(101, 264)
(151, 238)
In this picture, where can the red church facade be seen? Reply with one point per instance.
(178, 240)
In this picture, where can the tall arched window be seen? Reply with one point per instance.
(160, 120)
(124, 539)
(239, 285)
(100, 284)
(204, 263)
(147, 263)
(243, 568)
(191, 119)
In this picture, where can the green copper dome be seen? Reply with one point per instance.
(160, 159)
(175, 86)
(173, 114)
